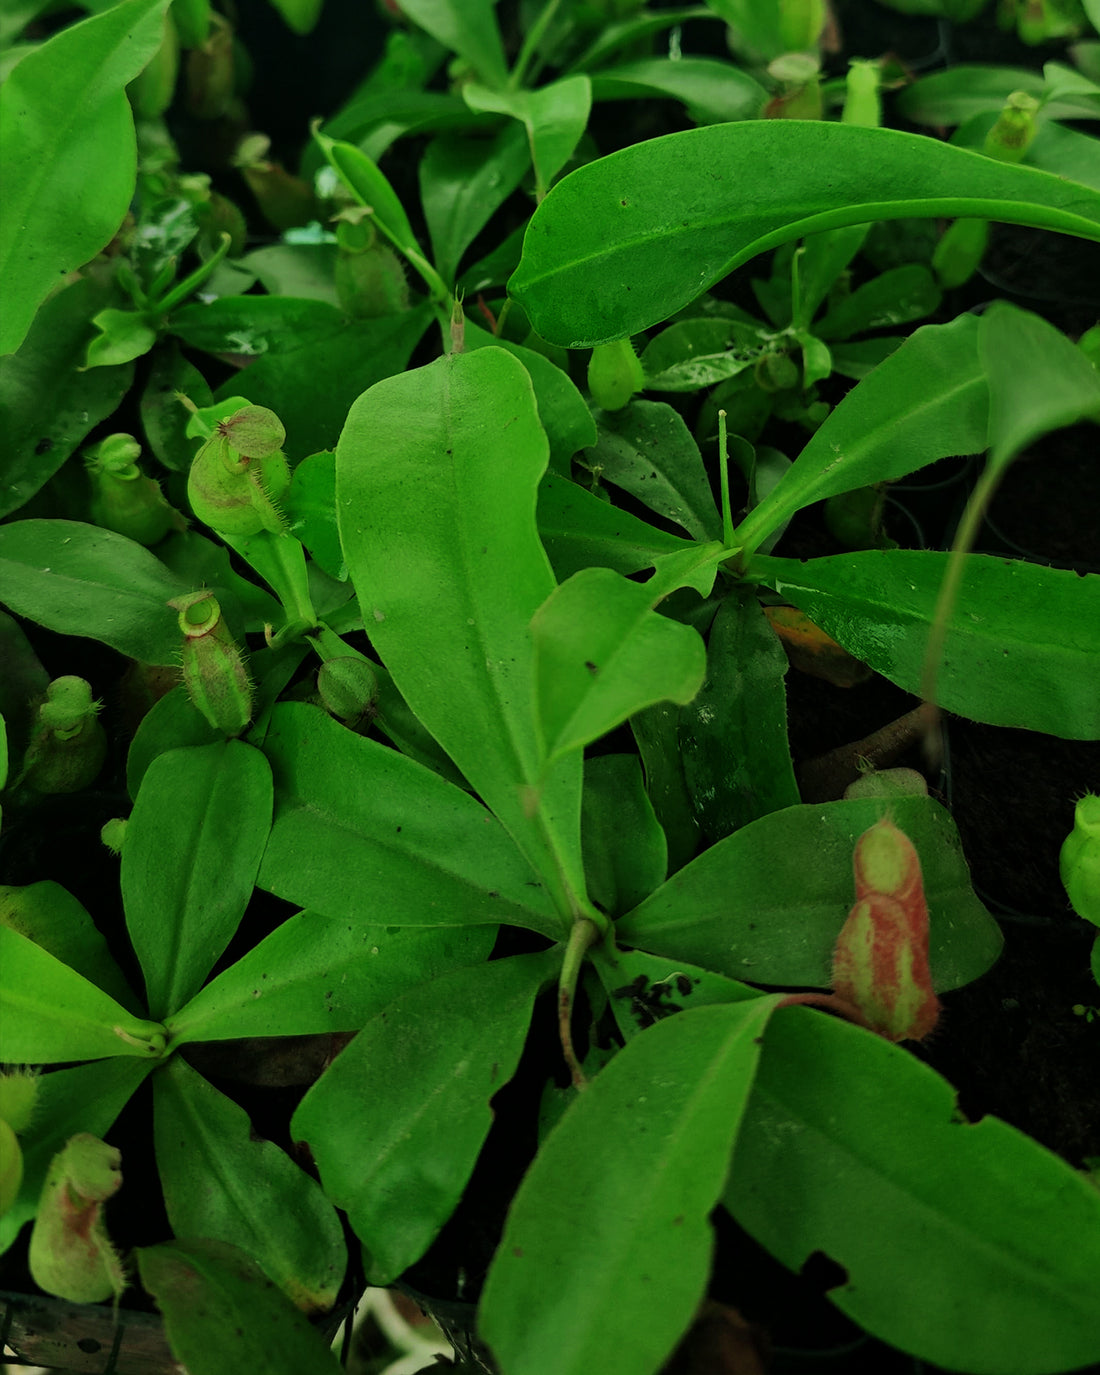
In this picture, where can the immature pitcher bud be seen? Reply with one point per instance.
(614, 374)
(370, 279)
(214, 671)
(70, 1253)
(880, 963)
(69, 745)
(240, 473)
(1079, 861)
(123, 498)
(348, 688)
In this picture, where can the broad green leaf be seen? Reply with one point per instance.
(711, 91)
(692, 354)
(376, 121)
(957, 94)
(316, 974)
(51, 917)
(365, 180)
(624, 1184)
(927, 400)
(50, 1013)
(222, 1313)
(48, 406)
(397, 1121)
(563, 411)
(643, 24)
(602, 653)
(767, 903)
(1038, 380)
(193, 847)
(80, 580)
(312, 388)
(310, 509)
(467, 27)
(893, 298)
(68, 158)
(967, 1244)
(87, 1098)
(554, 117)
(821, 260)
(625, 853)
(364, 834)
(648, 451)
(581, 531)
(603, 258)
(223, 1182)
(255, 325)
(1021, 643)
(436, 478)
(171, 723)
(737, 761)
(657, 736)
(463, 182)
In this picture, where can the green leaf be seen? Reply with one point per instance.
(171, 723)
(163, 415)
(301, 15)
(255, 325)
(927, 400)
(467, 27)
(648, 451)
(893, 298)
(625, 1183)
(692, 354)
(67, 142)
(768, 902)
(364, 834)
(318, 974)
(563, 411)
(580, 531)
(222, 1313)
(968, 1245)
(51, 917)
(295, 269)
(625, 853)
(554, 116)
(87, 1098)
(1038, 380)
(603, 258)
(711, 91)
(51, 1013)
(436, 477)
(643, 988)
(224, 1183)
(1021, 641)
(602, 653)
(123, 336)
(957, 94)
(737, 760)
(193, 846)
(47, 406)
(310, 508)
(311, 388)
(463, 182)
(80, 580)
(656, 733)
(397, 1121)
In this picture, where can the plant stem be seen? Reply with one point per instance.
(534, 37)
(583, 935)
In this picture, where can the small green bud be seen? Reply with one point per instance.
(614, 374)
(862, 103)
(113, 833)
(123, 498)
(240, 473)
(69, 745)
(70, 1254)
(348, 688)
(214, 671)
(1015, 129)
(1079, 861)
(800, 76)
